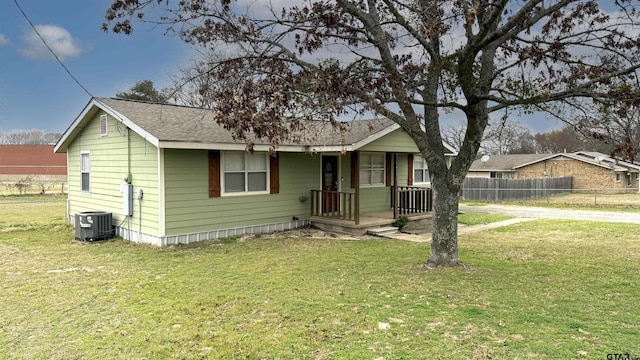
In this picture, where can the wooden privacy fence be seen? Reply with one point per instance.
(486, 189)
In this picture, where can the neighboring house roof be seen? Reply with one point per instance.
(174, 126)
(31, 160)
(604, 158)
(512, 162)
(505, 163)
(575, 156)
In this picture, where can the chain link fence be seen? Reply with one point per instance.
(29, 211)
(29, 186)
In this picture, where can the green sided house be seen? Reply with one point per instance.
(171, 175)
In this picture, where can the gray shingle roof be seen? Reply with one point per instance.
(186, 124)
(513, 161)
(505, 162)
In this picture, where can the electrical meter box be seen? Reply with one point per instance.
(127, 199)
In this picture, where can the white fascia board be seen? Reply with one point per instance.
(74, 125)
(454, 151)
(82, 118)
(128, 123)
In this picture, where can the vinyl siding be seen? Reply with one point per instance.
(112, 157)
(397, 141)
(189, 208)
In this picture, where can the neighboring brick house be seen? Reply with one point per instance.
(590, 170)
(501, 166)
(35, 162)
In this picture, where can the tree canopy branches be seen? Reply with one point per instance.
(406, 60)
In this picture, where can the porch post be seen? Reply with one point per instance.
(357, 188)
(395, 186)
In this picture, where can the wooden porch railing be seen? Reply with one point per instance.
(411, 200)
(334, 204)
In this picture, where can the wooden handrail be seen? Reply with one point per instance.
(412, 200)
(334, 204)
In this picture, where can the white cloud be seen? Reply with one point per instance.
(58, 39)
(3, 40)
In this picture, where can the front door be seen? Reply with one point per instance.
(331, 200)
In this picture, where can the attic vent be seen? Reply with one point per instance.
(103, 125)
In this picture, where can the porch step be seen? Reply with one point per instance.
(384, 231)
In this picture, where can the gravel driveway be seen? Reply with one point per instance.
(551, 213)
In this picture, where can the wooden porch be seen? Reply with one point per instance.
(340, 211)
(367, 221)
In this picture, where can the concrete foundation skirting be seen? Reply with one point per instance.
(187, 238)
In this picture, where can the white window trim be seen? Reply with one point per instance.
(244, 193)
(384, 175)
(86, 152)
(618, 177)
(424, 163)
(104, 118)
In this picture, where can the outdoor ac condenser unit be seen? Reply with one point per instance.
(93, 225)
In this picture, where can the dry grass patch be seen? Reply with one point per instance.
(587, 200)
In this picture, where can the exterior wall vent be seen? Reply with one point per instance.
(93, 225)
(104, 127)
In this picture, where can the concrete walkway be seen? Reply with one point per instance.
(523, 214)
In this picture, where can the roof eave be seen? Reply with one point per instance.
(190, 145)
(78, 124)
(63, 143)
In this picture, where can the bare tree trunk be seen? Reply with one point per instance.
(444, 244)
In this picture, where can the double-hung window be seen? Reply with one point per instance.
(372, 169)
(84, 172)
(244, 172)
(420, 171)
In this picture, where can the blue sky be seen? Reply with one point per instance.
(37, 93)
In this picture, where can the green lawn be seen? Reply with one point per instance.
(30, 211)
(629, 202)
(481, 218)
(536, 290)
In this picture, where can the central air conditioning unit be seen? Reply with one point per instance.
(93, 225)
